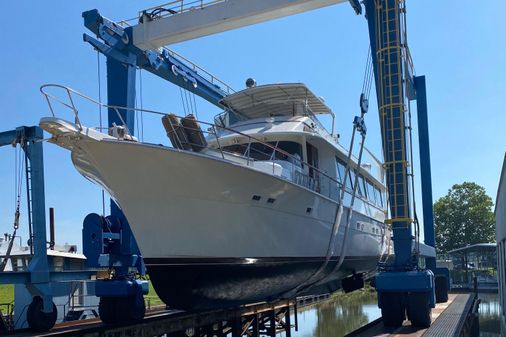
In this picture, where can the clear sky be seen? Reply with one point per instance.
(458, 45)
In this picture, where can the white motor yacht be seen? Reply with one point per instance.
(244, 209)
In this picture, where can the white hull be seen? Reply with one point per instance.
(185, 204)
(205, 238)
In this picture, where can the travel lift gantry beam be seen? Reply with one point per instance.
(38, 279)
(402, 286)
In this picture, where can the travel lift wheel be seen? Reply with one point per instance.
(419, 310)
(37, 319)
(392, 309)
(114, 310)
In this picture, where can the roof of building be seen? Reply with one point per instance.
(475, 247)
(285, 99)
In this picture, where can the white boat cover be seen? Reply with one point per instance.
(286, 99)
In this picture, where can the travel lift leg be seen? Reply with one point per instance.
(109, 241)
(402, 287)
(442, 275)
(41, 313)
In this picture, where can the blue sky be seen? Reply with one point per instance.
(458, 45)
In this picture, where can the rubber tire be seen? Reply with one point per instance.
(135, 308)
(419, 310)
(107, 310)
(37, 319)
(393, 310)
(119, 310)
(441, 285)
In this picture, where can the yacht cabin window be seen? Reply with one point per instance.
(261, 151)
(361, 190)
(341, 170)
(365, 189)
(371, 195)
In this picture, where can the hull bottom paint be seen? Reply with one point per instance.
(198, 284)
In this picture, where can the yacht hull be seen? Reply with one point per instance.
(223, 283)
(216, 234)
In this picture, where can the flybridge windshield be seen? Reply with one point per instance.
(228, 118)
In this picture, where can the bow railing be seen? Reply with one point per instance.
(214, 140)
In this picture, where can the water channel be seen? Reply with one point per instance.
(343, 314)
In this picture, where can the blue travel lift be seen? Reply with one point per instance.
(39, 280)
(108, 241)
(403, 286)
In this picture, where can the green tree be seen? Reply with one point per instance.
(463, 217)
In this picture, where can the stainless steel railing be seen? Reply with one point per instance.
(270, 159)
(177, 7)
(274, 157)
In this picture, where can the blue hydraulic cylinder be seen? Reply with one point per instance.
(425, 168)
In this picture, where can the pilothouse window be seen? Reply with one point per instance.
(371, 193)
(361, 190)
(312, 159)
(341, 170)
(261, 151)
(379, 197)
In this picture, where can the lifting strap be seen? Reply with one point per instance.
(16, 214)
(358, 125)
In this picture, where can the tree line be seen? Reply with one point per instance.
(464, 216)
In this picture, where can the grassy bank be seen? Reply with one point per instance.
(367, 292)
(6, 293)
(6, 297)
(152, 297)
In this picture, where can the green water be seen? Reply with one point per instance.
(337, 317)
(490, 311)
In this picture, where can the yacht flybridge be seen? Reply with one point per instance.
(244, 209)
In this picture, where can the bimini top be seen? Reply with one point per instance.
(286, 99)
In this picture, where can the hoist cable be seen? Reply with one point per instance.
(142, 105)
(188, 102)
(18, 183)
(366, 73)
(182, 100)
(368, 76)
(195, 104)
(136, 116)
